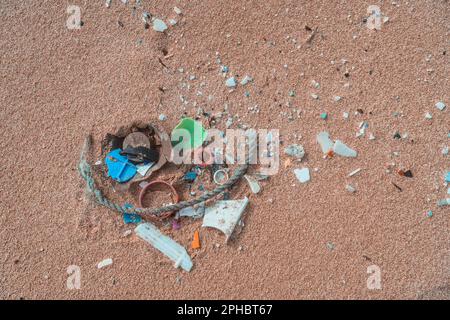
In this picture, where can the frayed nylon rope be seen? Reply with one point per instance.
(86, 173)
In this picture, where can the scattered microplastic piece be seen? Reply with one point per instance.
(371, 137)
(191, 212)
(177, 10)
(159, 25)
(253, 183)
(104, 263)
(447, 177)
(428, 116)
(291, 93)
(445, 151)
(173, 22)
(224, 215)
(176, 224)
(246, 80)
(220, 177)
(325, 142)
(345, 115)
(196, 242)
(440, 105)
(190, 176)
(337, 98)
(146, 17)
(362, 129)
(162, 117)
(350, 188)
(229, 122)
(225, 69)
(131, 218)
(295, 150)
(315, 84)
(314, 96)
(302, 175)
(444, 202)
(341, 149)
(166, 245)
(231, 82)
(324, 115)
(108, 3)
(142, 169)
(429, 214)
(351, 174)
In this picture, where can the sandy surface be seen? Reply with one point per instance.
(57, 85)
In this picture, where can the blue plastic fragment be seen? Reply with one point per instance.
(131, 217)
(119, 167)
(190, 176)
(447, 177)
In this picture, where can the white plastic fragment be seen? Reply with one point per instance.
(302, 175)
(142, 169)
(253, 183)
(162, 117)
(445, 151)
(295, 150)
(351, 174)
(343, 150)
(177, 10)
(224, 215)
(146, 17)
(159, 25)
(362, 129)
(246, 80)
(428, 116)
(337, 98)
(231, 82)
(444, 202)
(350, 188)
(108, 3)
(104, 263)
(315, 84)
(166, 245)
(192, 212)
(440, 105)
(325, 142)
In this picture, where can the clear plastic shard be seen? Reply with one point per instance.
(224, 215)
(343, 150)
(166, 245)
(253, 183)
(325, 142)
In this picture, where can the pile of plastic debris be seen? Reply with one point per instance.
(135, 154)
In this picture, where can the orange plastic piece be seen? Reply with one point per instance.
(196, 241)
(330, 154)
